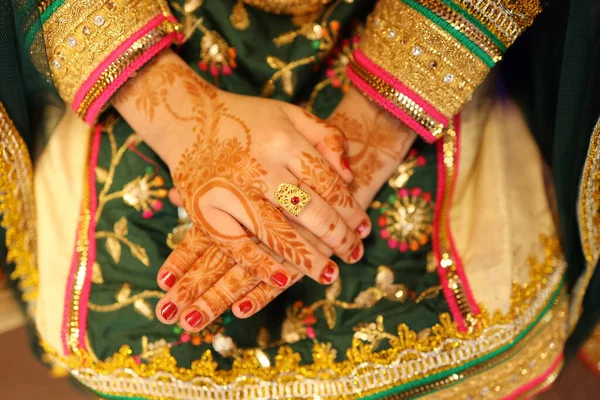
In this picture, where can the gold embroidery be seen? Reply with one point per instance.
(125, 299)
(406, 219)
(505, 18)
(248, 378)
(405, 170)
(17, 209)
(80, 34)
(73, 333)
(97, 277)
(323, 36)
(589, 223)
(464, 26)
(422, 55)
(114, 240)
(503, 375)
(296, 325)
(399, 99)
(285, 73)
(117, 67)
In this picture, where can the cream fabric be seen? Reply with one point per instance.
(58, 180)
(500, 207)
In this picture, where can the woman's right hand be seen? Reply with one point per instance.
(228, 154)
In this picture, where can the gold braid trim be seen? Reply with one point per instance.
(81, 34)
(408, 357)
(504, 18)
(589, 223)
(17, 208)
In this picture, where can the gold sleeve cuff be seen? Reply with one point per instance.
(437, 52)
(83, 35)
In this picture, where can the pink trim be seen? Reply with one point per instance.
(98, 104)
(536, 382)
(441, 185)
(122, 48)
(388, 105)
(455, 254)
(375, 69)
(85, 292)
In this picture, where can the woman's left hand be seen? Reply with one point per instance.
(377, 143)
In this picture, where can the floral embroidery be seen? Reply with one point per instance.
(125, 299)
(119, 236)
(406, 219)
(216, 55)
(300, 319)
(144, 193)
(406, 169)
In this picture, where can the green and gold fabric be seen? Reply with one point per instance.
(474, 284)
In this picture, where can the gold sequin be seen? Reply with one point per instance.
(80, 34)
(366, 371)
(17, 208)
(422, 55)
(589, 223)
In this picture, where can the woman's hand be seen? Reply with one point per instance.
(377, 143)
(228, 155)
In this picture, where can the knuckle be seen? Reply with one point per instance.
(281, 141)
(325, 218)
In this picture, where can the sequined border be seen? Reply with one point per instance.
(17, 209)
(589, 227)
(364, 373)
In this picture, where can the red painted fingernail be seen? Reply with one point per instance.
(355, 253)
(168, 279)
(346, 163)
(245, 306)
(328, 272)
(168, 311)
(194, 318)
(280, 279)
(363, 227)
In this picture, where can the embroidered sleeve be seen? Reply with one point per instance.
(94, 46)
(422, 59)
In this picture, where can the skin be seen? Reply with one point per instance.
(377, 143)
(228, 154)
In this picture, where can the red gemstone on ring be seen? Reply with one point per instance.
(295, 200)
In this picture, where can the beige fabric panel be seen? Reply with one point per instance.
(500, 207)
(58, 180)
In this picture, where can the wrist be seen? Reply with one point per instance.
(163, 103)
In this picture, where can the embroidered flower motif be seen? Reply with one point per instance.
(406, 169)
(145, 193)
(216, 55)
(406, 219)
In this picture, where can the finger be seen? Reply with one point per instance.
(225, 231)
(259, 297)
(312, 239)
(325, 223)
(313, 170)
(194, 244)
(203, 274)
(234, 284)
(278, 234)
(328, 140)
(175, 197)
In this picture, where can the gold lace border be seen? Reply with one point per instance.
(17, 208)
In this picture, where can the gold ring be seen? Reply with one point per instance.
(291, 198)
